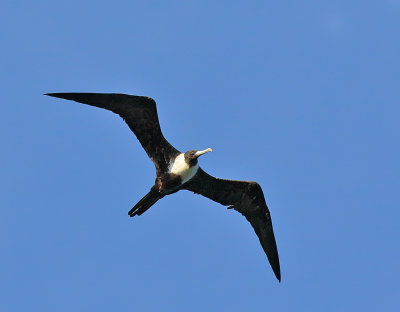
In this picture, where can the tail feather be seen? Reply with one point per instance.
(145, 203)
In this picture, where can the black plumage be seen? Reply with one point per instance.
(177, 171)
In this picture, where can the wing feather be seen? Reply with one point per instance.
(140, 113)
(245, 197)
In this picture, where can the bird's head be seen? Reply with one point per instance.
(192, 155)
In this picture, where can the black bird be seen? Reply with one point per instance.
(177, 171)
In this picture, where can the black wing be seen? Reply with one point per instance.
(248, 199)
(140, 113)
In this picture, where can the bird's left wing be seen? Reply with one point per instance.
(140, 113)
(245, 197)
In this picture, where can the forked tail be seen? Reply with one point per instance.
(145, 203)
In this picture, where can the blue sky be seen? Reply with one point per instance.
(301, 97)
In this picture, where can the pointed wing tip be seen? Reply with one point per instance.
(59, 95)
(278, 276)
(73, 96)
(277, 270)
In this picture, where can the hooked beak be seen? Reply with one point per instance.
(199, 153)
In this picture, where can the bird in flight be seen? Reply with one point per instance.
(180, 171)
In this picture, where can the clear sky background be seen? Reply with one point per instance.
(302, 97)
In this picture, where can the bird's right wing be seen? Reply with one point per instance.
(140, 113)
(246, 198)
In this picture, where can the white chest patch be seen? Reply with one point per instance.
(181, 168)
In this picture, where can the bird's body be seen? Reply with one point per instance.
(176, 171)
(181, 168)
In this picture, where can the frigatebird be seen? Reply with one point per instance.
(180, 171)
